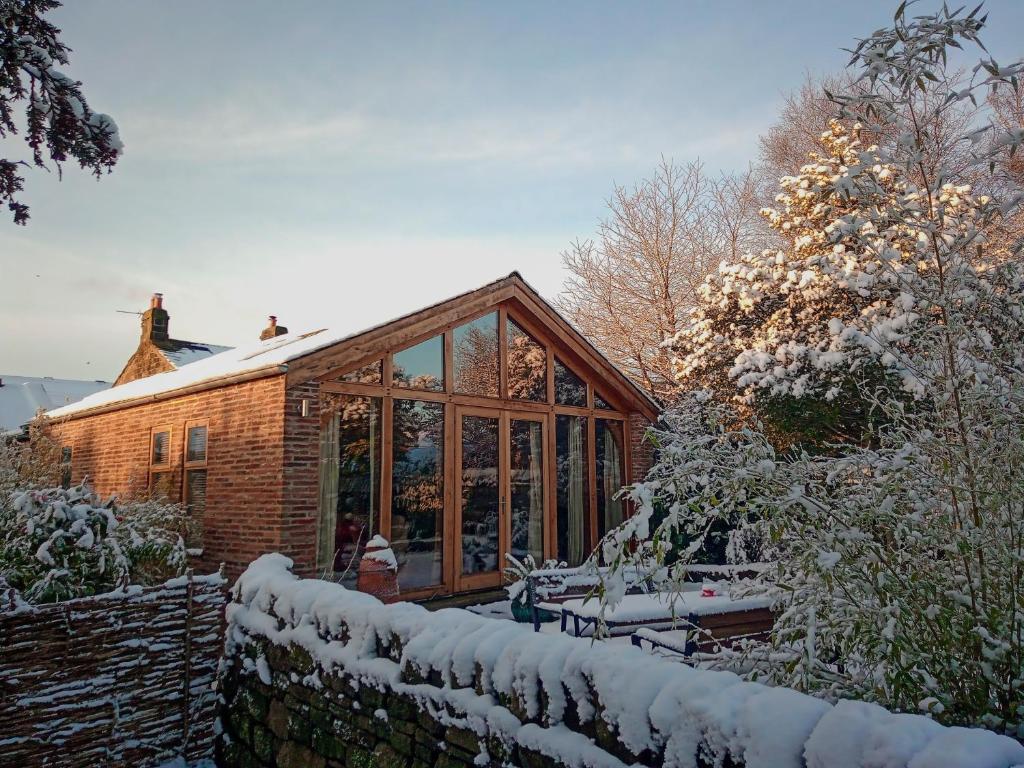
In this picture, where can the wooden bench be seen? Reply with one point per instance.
(554, 586)
(709, 633)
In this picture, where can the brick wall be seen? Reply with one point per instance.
(147, 360)
(246, 472)
(641, 450)
(301, 477)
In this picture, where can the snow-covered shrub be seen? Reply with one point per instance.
(516, 572)
(59, 543)
(900, 551)
(33, 463)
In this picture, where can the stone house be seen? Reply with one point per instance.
(481, 426)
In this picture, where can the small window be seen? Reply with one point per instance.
(160, 462)
(195, 445)
(161, 453)
(527, 365)
(600, 402)
(65, 467)
(421, 366)
(371, 373)
(475, 354)
(570, 389)
(194, 491)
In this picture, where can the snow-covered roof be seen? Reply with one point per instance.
(21, 397)
(180, 353)
(275, 352)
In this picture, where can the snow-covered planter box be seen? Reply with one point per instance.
(317, 675)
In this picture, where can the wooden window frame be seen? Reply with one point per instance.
(187, 465)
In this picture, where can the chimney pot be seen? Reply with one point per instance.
(272, 329)
(157, 302)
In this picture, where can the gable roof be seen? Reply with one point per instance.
(21, 397)
(281, 353)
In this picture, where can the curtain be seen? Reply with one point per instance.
(328, 522)
(577, 488)
(612, 479)
(536, 530)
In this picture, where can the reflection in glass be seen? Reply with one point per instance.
(417, 492)
(610, 471)
(572, 503)
(480, 494)
(371, 373)
(350, 438)
(527, 365)
(600, 402)
(475, 354)
(526, 468)
(570, 389)
(420, 367)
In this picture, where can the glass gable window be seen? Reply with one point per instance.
(570, 389)
(527, 365)
(610, 472)
(368, 374)
(572, 498)
(417, 492)
(601, 403)
(350, 456)
(475, 356)
(421, 366)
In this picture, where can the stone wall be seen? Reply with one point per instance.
(322, 677)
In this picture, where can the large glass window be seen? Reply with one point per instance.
(350, 457)
(480, 494)
(421, 366)
(475, 356)
(610, 452)
(417, 492)
(572, 502)
(570, 389)
(601, 403)
(526, 478)
(527, 365)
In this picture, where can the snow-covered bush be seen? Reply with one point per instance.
(59, 543)
(516, 572)
(900, 550)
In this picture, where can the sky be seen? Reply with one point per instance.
(337, 164)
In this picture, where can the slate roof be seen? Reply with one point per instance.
(22, 396)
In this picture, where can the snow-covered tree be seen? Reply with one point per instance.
(900, 559)
(59, 125)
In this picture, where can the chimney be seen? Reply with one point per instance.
(155, 320)
(273, 329)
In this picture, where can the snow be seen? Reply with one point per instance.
(651, 702)
(187, 352)
(21, 397)
(652, 607)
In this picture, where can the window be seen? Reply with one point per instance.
(527, 365)
(570, 389)
(526, 487)
(421, 366)
(194, 493)
(475, 356)
(371, 373)
(350, 456)
(481, 494)
(417, 492)
(65, 467)
(610, 471)
(572, 497)
(601, 403)
(160, 462)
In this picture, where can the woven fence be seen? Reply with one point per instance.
(121, 679)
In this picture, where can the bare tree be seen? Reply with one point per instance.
(632, 286)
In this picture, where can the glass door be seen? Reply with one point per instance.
(501, 504)
(480, 500)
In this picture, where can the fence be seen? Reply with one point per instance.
(124, 678)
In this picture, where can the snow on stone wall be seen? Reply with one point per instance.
(529, 699)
